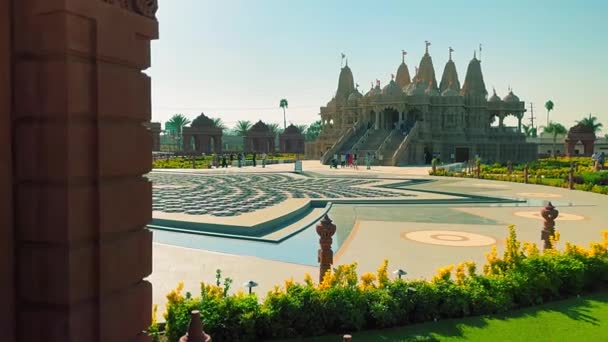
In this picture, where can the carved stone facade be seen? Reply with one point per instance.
(291, 140)
(583, 134)
(74, 247)
(146, 8)
(410, 121)
(203, 136)
(259, 139)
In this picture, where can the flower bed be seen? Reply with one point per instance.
(522, 276)
(550, 171)
(201, 162)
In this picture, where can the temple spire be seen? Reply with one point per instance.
(451, 50)
(480, 52)
(427, 43)
(403, 53)
(474, 54)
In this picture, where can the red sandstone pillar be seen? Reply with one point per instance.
(326, 229)
(7, 240)
(195, 329)
(80, 149)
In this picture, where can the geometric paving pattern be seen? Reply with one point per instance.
(232, 195)
(449, 238)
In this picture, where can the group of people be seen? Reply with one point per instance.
(228, 159)
(350, 160)
(599, 158)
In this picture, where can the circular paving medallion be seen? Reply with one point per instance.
(536, 215)
(538, 194)
(449, 238)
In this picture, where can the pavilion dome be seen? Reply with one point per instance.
(202, 121)
(511, 97)
(494, 97)
(292, 129)
(354, 97)
(416, 89)
(392, 89)
(260, 127)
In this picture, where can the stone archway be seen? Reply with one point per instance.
(73, 94)
(583, 134)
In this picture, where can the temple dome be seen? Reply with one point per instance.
(431, 91)
(392, 89)
(450, 77)
(473, 82)
(403, 75)
(511, 97)
(375, 91)
(416, 89)
(346, 83)
(354, 97)
(426, 71)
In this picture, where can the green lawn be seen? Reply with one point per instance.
(577, 319)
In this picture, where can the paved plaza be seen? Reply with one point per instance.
(418, 222)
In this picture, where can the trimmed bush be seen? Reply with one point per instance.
(344, 302)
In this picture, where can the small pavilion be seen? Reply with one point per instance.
(291, 140)
(259, 139)
(203, 136)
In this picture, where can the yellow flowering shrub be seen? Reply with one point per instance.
(367, 281)
(383, 274)
(443, 274)
(308, 280)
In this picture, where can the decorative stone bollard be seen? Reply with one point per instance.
(347, 338)
(326, 229)
(526, 174)
(549, 213)
(195, 329)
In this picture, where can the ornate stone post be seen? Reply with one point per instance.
(549, 213)
(195, 329)
(326, 229)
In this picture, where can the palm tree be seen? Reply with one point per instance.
(529, 131)
(592, 123)
(242, 127)
(301, 128)
(177, 122)
(219, 123)
(283, 104)
(554, 129)
(274, 129)
(549, 106)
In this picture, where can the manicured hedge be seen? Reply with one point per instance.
(344, 302)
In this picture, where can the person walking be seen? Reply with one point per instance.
(355, 161)
(264, 160)
(254, 162)
(239, 158)
(231, 158)
(368, 161)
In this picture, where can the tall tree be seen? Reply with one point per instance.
(549, 106)
(591, 122)
(554, 129)
(283, 104)
(302, 128)
(275, 129)
(177, 122)
(219, 123)
(313, 131)
(242, 127)
(529, 131)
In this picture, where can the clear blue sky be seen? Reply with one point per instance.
(236, 59)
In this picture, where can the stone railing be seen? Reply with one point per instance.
(380, 150)
(404, 145)
(361, 140)
(336, 147)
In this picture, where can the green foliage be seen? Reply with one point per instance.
(313, 131)
(591, 122)
(523, 276)
(242, 127)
